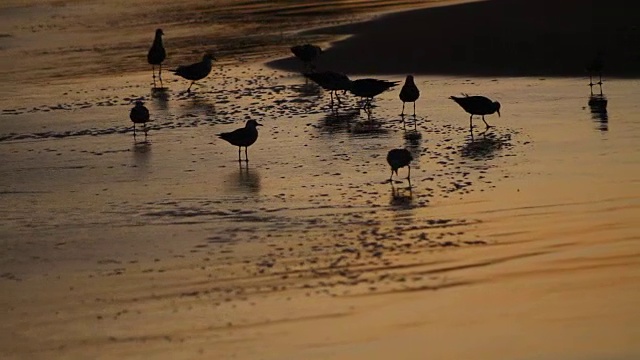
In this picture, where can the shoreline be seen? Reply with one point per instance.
(490, 38)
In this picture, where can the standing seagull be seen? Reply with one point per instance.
(139, 115)
(370, 88)
(307, 53)
(409, 93)
(245, 136)
(156, 56)
(197, 71)
(398, 158)
(477, 105)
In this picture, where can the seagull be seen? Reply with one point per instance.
(307, 53)
(369, 88)
(409, 93)
(156, 56)
(139, 115)
(245, 136)
(330, 80)
(197, 71)
(398, 158)
(477, 105)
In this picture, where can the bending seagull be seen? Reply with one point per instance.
(307, 53)
(477, 105)
(139, 115)
(398, 158)
(156, 56)
(409, 93)
(330, 80)
(197, 71)
(245, 136)
(369, 88)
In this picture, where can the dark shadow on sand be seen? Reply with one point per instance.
(488, 38)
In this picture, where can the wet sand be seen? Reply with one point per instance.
(518, 243)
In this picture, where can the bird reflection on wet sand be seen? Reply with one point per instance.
(401, 197)
(598, 106)
(244, 180)
(160, 97)
(411, 118)
(485, 146)
(202, 105)
(141, 151)
(413, 143)
(336, 121)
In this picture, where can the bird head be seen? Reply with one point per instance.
(252, 124)
(409, 79)
(208, 57)
(139, 103)
(497, 106)
(159, 32)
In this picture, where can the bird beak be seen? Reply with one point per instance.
(258, 124)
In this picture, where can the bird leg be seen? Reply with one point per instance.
(409, 175)
(246, 156)
(134, 130)
(414, 109)
(415, 122)
(471, 122)
(144, 127)
(153, 71)
(402, 113)
(239, 153)
(160, 76)
(189, 88)
(488, 126)
(391, 177)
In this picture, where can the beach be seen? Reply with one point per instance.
(515, 242)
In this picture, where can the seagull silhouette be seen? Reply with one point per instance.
(156, 56)
(477, 105)
(245, 136)
(307, 53)
(398, 158)
(330, 80)
(197, 71)
(139, 115)
(370, 88)
(409, 93)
